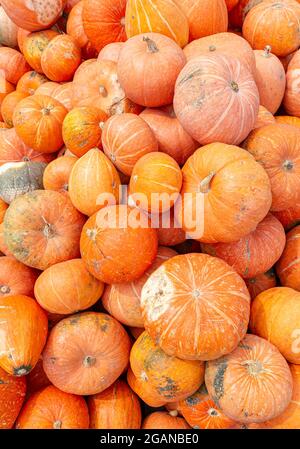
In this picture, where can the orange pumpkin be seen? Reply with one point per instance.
(47, 88)
(164, 420)
(21, 350)
(144, 390)
(117, 407)
(206, 307)
(261, 282)
(274, 23)
(288, 120)
(255, 253)
(38, 122)
(275, 315)
(93, 348)
(93, 183)
(76, 31)
(258, 374)
(33, 46)
(222, 87)
(264, 118)
(82, 129)
(228, 189)
(3, 207)
(154, 62)
(291, 98)
(30, 81)
(12, 394)
(111, 51)
(288, 266)
(164, 17)
(289, 217)
(37, 380)
(169, 233)
(12, 64)
(42, 228)
(172, 378)
(117, 244)
(9, 30)
(276, 148)
(9, 104)
(126, 138)
(16, 278)
(51, 408)
(57, 173)
(122, 301)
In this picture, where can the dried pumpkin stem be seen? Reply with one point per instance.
(4, 289)
(89, 361)
(57, 424)
(152, 47)
(288, 165)
(267, 51)
(234, 86)
(205, 183)
(103, 91)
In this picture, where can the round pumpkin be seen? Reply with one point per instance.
(9, 104)
(117, 244)
(264, 118)
(20, 350)
(222, 89)
(261, 282)
(93, 348)
(261, 379)
(111, 51)
(3, 207)
(291, 98)
(12, 64)
(42, 228)
(206, 307)
(76, 31)
(274, 23)
(290, 217)
(38, 122)
(154, 62)
(56, 174)
(33, 46)
(144, 390)
(12, 395)
(9, 30)
(164, 420)
(37, 380)
(30, 81)
(51, 408)
(117, 407)
(288, 267)
(276, 148)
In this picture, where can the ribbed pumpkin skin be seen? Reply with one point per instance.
(288, 267)
(291, 98)
(57, 173)
(9, 104)
(13, 64)
(42, 228)
(122, 301)
(93, 348)
(172, 378)
(222, 89)
(3, 247)
(113, 252)
(199, 292)
(251, 384)
(163, 420)
(288, 120)
(76, 31)
(117, 407)
(289, 217)
(144, 390)
(275, 315)
(255, 253)
(33, 46)
(21, 351)
(16, 278)
(276, 148)
(274, 23)
(261, 282)
(264, 118)
(222, 43)
(12, 395)
(158, 16)
(30, 81)
(51, 408)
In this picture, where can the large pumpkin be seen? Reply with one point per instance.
(203, 307)
(9, 104)
(288, 267)
(86, 353)
(20, 350)
(12, 395)
(33, 46)
(117, 407)
(16, 278)
(264, 118)
(117, 244)
(251, 384)
(30, 82)
(164, 420)
(154, 62)
(291, 98)
(57, 173)
(216, 99)
(289, 217)
(8, 31)
(277, 148)
(162, 16)
(261, 282)
(42, 228)
(172, 378)
(51, 408)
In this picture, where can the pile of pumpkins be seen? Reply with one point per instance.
(105, 104)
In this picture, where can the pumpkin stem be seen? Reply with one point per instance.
(152, 47)
(103, 91)
(22, 370)
(212, 48)
(92, 234)
(101, 125)
(57, 424)
(122, 21)
(288, 165)
(254, 367)
(173, 413)
(89, 361)
(234, 86)
(4, 289)
(212, 412)
(46, 111)
(205, 183)
(267, 51)
(48, 231)
(66, 187)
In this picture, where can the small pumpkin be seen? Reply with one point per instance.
(291, 98)
(56, 174)
(164, 420)
(9, 104)
(9, 30)
(12, 64)
(144, 390)
(30, 81)
(33, 46)
(12, 395)
(16, 278)
(261, 282)
(264, 118)
(288, 266)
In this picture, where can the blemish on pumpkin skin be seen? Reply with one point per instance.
(2, 382)
(169, 390)
(218, 383)
(192, 400)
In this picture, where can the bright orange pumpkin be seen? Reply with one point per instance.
(12, 395)
(288, 267)
(30, 81)
(264, 118)
(76, 31)
(291, 98)
(9, 104)
(33, 46)
(261, 282)
(12, 64)
(57, 173)
(164, 420)
(16, 278)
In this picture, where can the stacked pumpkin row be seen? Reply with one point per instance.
(103, 313)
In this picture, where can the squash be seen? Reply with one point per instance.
(264, 118)
(169, 232)
(274, 23)
(17, 178)
(172, 378)
(144, 390)
(12, 395)
(221, 89)
(288, 266)
(42, 228)
(275, 315)
(82, 129)
(12, 64)
(290, 217)
(231, 188)
(255, 253)
(206, 307)
(291, 98)
(122, 301)
(261, 282)
(67, 287)
(276, 148)
(117, 244)
(126, 138)
(56, 174)
(76, 31)
(8, 30)
(30, 81)
(154, 62)
(111, 51)
(33, 46)
(155, 182)
(93, 348)
(37, 380)
(162, 16)
(261, 379)
(171, 136)
(9, 104)
(117, 407)
(164, 420)
(3, 207)
(16, 278)
(38, 122)
(20, 350)
(93, 183)
(64, 93)
(51, 408)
